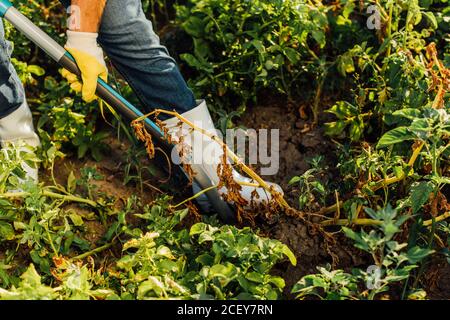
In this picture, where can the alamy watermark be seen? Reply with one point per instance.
(374, 20)
(255, 146)
(74, 20)
(373, 277)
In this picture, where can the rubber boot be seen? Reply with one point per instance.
(203, 153)
(17, 129)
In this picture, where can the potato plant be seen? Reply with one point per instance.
(242, 47)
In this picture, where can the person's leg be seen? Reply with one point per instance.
(11, 90)
(16, 123)
(129, 40)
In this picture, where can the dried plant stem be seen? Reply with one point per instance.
(380, 185)
(338, 211)
(248, 184)
(437, 219)
(372, 222)
(346, 222)
(229, 153)
(330, 209)
(438, 98)
(440, 83)
(416, 153)
(392, 180)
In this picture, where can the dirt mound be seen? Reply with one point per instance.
(295, 147)
(437, 280)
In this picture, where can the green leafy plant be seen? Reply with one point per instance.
(309, 188)
(207, 262)
(241, 47)
(239, 258)
(327, 285)
(393, 262)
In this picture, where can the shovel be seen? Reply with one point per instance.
(109, 95)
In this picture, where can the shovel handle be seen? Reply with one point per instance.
(60, 55)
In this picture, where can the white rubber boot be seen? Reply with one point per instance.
(17, 128)
(203, 153)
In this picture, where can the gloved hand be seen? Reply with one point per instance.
(89, 58)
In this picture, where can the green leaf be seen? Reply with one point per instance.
(432, 19)
(198, 228)
(343, 110)
(76, 219)
(318, 186)
(71, 182)
(394, 136)
(196, 63)
(205, 259)
(288, 253)
(201, 48)
(398, 171)
(96, 154)
(258, 44)
(335, 128)
(278, 282)
(345, 64)
(226, 272)
(356, 130)
(360, 242)
(292, 55)
(152, 285)
(294, 180)
(82, 149)
(417, 254)
(255, 277)
(6, 231)
(320, 37)
(165, 252)
(194, 26)
(36, 70)
(420, 193)
(408, 113)
(167, 266)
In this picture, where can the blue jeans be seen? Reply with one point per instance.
(128, 38)
(11, 89)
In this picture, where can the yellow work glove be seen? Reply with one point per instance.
(89, 58)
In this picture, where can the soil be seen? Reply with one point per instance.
(299, 142)
(437, 280)
(111, 170)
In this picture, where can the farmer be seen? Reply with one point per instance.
(120, 28)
